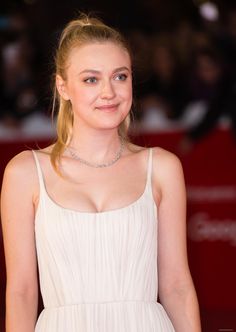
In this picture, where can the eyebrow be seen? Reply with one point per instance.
(93, 71)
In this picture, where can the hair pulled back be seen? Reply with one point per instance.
(78, 32)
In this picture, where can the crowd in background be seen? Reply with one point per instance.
(19, 80)
(186, 64)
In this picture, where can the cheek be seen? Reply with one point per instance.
(128, 99)
(129, 95)
(127, 92)
(86, 96)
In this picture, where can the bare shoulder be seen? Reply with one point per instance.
(21, 163)
(24, 162)
(21, 172)
(165, 157)
(166, 165)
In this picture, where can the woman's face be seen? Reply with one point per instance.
(98, 84)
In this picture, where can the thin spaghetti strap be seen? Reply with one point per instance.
(149, 171)
(39, 170)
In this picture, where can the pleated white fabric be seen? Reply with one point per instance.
(98, 270)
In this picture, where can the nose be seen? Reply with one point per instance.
(107, 90)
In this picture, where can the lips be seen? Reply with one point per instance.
(108, 108)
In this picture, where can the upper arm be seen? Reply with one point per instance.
(172, 253)
(17, 214)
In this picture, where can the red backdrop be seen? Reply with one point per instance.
(210, 174)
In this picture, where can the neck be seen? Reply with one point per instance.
(95, 146)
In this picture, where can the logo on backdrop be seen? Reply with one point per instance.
(201, 228)
(210, 194)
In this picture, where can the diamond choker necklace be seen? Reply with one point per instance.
(85, 162)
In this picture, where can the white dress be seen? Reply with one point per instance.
(98, 271)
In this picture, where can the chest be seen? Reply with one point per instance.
(99, 189)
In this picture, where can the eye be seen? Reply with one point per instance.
(90, 80)
(121, 77)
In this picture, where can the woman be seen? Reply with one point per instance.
(91, 205)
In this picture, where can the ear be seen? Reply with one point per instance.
(61, 87)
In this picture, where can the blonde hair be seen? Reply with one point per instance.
(78, 32)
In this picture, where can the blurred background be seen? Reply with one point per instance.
(184, 101)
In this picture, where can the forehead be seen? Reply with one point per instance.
(98, 56)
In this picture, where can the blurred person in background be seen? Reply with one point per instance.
(165, 89)
(19, 89)
(182, 40)
(140, 43)
(213, 83)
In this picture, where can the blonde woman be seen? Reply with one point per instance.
(103, 220)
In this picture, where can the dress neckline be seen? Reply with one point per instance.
(57, 205)
(43, 190)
